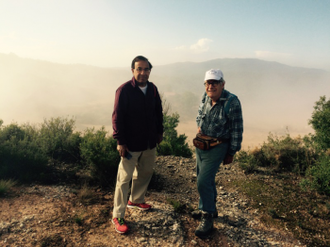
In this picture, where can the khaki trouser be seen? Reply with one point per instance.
(140, 169)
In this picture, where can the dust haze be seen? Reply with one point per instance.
(275, 97)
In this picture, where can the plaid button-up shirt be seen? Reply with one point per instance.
(216, 122)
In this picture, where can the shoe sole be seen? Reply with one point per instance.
(117, 229)
(204, 234)
(143, 209)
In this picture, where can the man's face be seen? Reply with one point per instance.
(141, 72)
(214, 89)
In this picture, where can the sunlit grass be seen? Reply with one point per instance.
(86, 195)
(6, 185)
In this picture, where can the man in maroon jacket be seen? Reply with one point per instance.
(137, 122)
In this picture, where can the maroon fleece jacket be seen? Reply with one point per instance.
(137, 119)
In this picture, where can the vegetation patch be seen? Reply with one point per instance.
(86, 195)
(283, 204)
(177, 206)
(287, 180)
(6, 185)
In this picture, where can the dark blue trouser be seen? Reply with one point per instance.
(208, 163)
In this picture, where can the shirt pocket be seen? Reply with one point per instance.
(221, 117)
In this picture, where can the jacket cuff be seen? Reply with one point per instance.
(121, 142)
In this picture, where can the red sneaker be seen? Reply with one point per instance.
(120, 225)
(141, 206)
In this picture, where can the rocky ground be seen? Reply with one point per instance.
(74, 215)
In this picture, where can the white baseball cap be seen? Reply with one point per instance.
(213, 74)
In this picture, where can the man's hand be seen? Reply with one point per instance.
(122, 149)
(228, 159)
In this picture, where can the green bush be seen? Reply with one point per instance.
(321, 122)
(59, 141)
(319, 176)
(181, 147)
(11, 131)
(281, 154)
(172, 143)
(164, 148)
(247, 161)
(28, 153)
(286, 153)
(21, 157)
(100, 152)
(6, 185)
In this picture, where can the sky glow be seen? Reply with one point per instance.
(109, 33)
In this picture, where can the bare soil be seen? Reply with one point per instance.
(71, 214)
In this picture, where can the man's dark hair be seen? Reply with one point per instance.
(140, 58)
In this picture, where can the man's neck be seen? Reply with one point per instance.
(141, 84)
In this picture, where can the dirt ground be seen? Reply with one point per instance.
(71, 214)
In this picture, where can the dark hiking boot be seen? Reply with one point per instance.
(197, 214)
(206, 225)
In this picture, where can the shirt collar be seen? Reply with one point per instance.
(135, 84)
(224, 96)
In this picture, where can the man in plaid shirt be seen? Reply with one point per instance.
(219, 116)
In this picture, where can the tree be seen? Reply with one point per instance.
(321, 122)
(172, 144)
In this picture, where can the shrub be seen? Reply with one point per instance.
(180, 147)
(11, 131)
(164, 148)
(286, 153)
(59, 141)
(21, 157)
(247, 161)
(100, 152)
(319, 176)
(172, 143)
(321, 122)
(6, 185)
(281, 154)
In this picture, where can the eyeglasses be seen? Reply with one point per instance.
(146, 70)
(213, 83)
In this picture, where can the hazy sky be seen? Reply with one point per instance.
(109, 33)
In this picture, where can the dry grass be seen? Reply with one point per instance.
(284, 205)
(6, 185)
(86, 195)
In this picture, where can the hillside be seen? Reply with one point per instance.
(275, 97)
(71, 214)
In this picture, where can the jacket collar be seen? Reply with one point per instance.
(224, 96)
(134, 84)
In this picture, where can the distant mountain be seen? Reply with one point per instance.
(275, 97)
(31, 90)
(270, 92)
